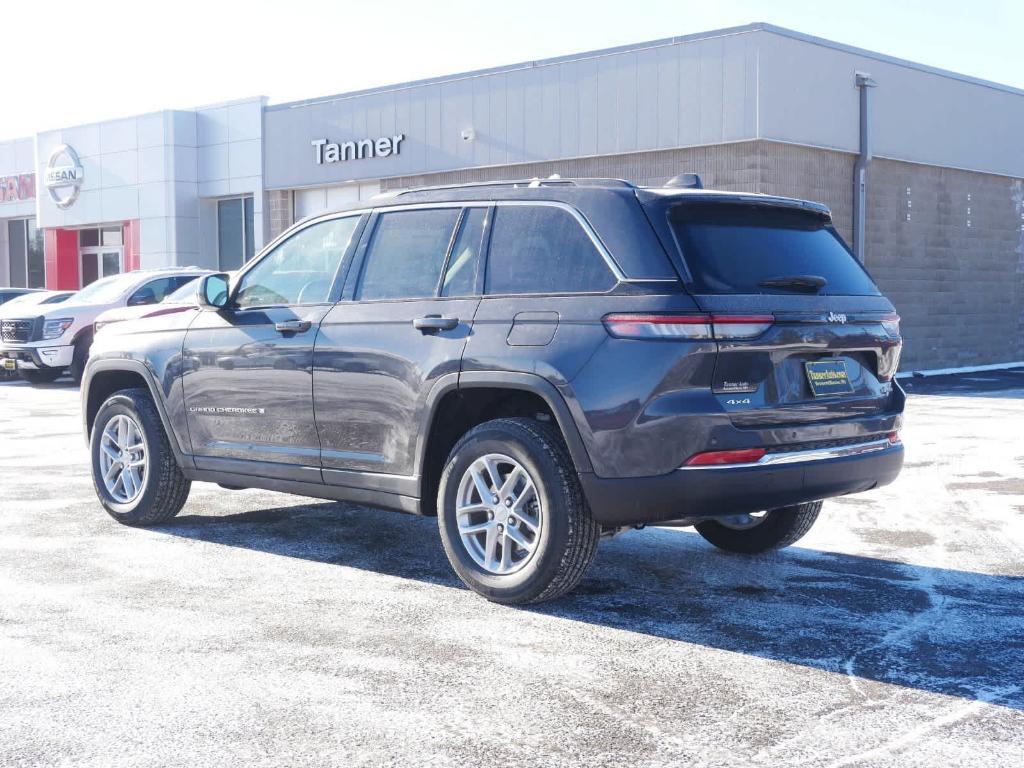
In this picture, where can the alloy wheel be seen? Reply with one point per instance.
(123, 459)
(744, 521)
(499, 514)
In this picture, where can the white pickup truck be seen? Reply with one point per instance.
(44, 341)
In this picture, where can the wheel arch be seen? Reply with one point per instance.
(502, 389)
(104, 377)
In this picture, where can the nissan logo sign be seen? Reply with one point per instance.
(63, 177)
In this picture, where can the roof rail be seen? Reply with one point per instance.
(552, 181)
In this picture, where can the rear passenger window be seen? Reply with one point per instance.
(543, 249)
(406, 253)
(460, 276)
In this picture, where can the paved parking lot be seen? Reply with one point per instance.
(266, 630)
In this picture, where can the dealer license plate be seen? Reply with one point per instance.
(828, 378)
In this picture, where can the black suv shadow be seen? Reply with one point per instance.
(1003, 384)
(944, 631)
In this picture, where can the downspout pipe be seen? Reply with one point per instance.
(864, 84)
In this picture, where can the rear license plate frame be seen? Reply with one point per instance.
(828, 378)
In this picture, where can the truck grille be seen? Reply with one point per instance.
(18, 331)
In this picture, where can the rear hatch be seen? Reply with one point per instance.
(803, 333)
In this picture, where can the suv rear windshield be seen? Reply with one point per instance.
(757, 249)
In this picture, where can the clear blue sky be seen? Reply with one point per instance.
(67, 63)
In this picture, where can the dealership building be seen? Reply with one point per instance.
(922, 168)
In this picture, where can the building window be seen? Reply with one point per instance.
(235, 241)
(25, 244)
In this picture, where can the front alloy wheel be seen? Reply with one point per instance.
(134, 471)
(123, 458)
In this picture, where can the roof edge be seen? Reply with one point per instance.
(757, 26)
(825, 43)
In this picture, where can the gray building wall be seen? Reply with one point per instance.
(739, 84)
(755, 108)
(959, 289)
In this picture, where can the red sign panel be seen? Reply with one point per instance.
(21, 186)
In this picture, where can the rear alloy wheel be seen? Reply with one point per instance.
(513, 520)
(500, 516)
(757, 532)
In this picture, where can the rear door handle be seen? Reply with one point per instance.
(433, 323)
(293, 326)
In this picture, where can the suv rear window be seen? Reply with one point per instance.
(744, 249)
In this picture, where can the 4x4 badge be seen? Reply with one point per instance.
(834, 317)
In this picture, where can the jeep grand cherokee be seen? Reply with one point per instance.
(535, 363)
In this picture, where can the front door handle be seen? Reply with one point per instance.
(434, 323)
(293, 326)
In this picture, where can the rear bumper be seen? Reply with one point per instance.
(733, 490)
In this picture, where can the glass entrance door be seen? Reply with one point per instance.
(101, 252)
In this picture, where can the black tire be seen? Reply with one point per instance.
(79, 358)
(40, 375)
(568, 537)
(165, 488)
(779, 528)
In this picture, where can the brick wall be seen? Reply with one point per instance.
(958, 288)
(943, 245)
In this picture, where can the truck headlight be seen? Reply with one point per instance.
(53, 329)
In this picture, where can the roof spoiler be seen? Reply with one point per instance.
(685, 181)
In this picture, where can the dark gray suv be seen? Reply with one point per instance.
(537, 364)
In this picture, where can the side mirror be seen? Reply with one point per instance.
(213, 292)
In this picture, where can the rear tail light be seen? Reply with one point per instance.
(894, 438)
(891, 324)
(890, 359)
(665, 326)
(644, 326)
(740, 326)
(719, 458)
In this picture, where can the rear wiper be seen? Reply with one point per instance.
(812, 283)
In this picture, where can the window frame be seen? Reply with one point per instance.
(340, 275)
(481, 256)
(354, 287)
(352, 262)
(614, 269)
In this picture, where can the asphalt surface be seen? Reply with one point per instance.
(266, 630)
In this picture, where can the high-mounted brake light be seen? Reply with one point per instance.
(667, 326)
(719, 458)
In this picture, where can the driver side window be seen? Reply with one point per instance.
(153, 292)
(301, 269)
